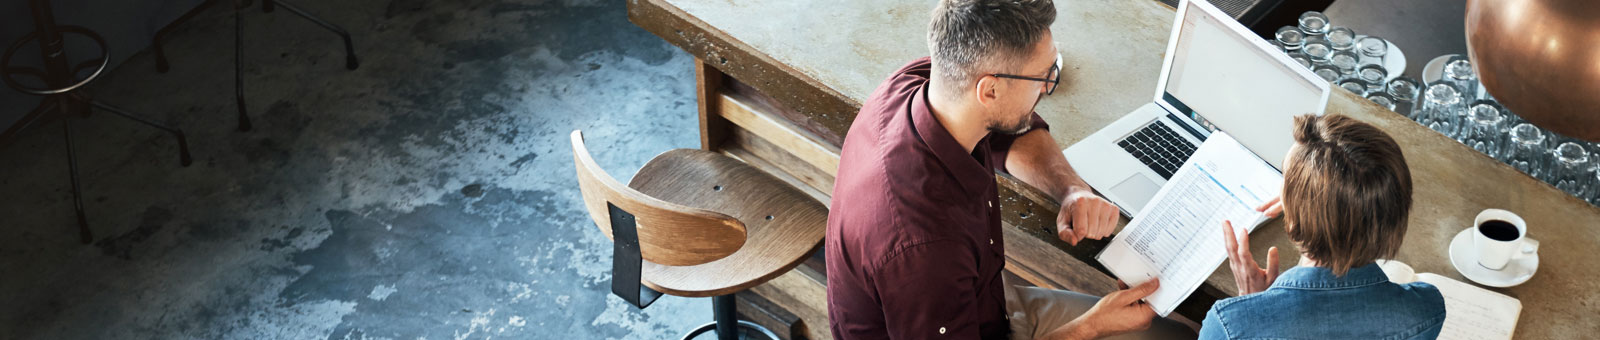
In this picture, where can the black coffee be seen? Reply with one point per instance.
(1498, 230)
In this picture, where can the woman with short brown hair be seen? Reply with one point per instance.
(1346, 197)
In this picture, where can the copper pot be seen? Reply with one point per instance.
(1541, 59)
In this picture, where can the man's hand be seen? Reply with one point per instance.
(1084, 214)
(1120, 312)
(1246, 274)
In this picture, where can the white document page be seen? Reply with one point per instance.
(1178, 236)
(1473, 313)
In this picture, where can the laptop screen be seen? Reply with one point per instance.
(1223, 81)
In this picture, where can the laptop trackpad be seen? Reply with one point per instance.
(1136, 191)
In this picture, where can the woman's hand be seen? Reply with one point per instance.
(1272, 208)
(1250, 278)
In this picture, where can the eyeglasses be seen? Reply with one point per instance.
(1051, 81)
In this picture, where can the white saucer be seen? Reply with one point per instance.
(1465, 259)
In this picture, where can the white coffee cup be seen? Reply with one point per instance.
(1493, 253)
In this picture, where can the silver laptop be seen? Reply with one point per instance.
(1217, 75)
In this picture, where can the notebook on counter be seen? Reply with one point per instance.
(1471, 312)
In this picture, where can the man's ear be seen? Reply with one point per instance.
(986, 91)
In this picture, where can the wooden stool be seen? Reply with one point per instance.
(695, 223)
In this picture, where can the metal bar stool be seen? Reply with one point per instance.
(696, 223)
(267, 6)
(62, 91)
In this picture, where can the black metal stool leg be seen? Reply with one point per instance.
(77, 190)
(728, 325)
(183, 143)
(350, 61)
(155, 44)
(27, 121)
(238, 69)
(725, 310)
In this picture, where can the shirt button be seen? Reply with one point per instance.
(941, 330)
(991, 241)
(991, 204)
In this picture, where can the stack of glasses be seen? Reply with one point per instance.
(1455, 105)
(1355, 63)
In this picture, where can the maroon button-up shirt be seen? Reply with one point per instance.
(914, 247)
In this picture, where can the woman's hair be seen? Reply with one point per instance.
(1346, 192)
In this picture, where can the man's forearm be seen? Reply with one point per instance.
(1035, 159)
(1075, 330)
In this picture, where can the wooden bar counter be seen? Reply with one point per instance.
(781, 81)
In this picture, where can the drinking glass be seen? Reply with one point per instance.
(1482, 129)
(1404, 88)
(1355, 86)
(1572, 170)
(1374, 75)
(1301, 58)
(1512, 119)
(1341, 38)
(1290, 37)
(1314, 23)
(1483, 92)
(1442, 103)
(1317, 49)
(1373, 50)
(1459, 73)
(1383, 99)
(1594, 190)
(1327, 72)
(1345, 60)
(1527, 150)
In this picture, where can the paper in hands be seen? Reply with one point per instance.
(1175, 237)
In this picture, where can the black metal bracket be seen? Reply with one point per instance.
(626, 261)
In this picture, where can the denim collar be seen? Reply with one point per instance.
(1323, 278)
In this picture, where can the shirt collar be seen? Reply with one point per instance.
(1322, 278)
(972, 170)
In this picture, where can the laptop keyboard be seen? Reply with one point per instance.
(1159, 148)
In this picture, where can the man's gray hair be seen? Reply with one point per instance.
(967, 37)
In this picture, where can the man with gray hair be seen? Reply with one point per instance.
(914, 245)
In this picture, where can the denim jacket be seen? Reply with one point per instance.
(1312, 303)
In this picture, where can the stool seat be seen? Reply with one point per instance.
(783, 225)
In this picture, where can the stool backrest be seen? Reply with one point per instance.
(669, 233)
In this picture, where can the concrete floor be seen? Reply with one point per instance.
(427, 195)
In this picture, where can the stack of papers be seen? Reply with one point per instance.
(1177, 236)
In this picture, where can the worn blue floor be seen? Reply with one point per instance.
(429, 194)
